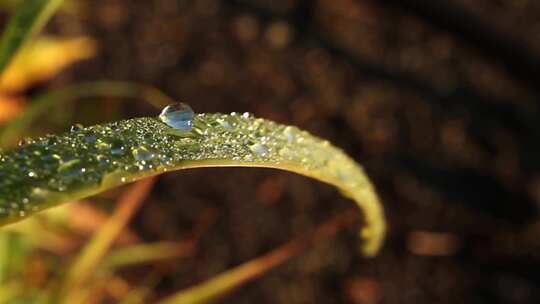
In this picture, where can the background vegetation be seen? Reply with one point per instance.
(438, 99)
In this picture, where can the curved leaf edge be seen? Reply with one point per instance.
(249, 142)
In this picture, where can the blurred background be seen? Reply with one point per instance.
(437, 99)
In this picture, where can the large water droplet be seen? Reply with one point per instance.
(178, 116)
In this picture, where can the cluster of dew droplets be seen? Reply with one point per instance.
(53, 168)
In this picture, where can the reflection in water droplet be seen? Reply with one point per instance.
(260, 149)
(178, 116)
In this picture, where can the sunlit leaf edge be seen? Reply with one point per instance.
(101, 157)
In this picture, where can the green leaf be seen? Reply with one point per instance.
(30, 17)
(58, 168)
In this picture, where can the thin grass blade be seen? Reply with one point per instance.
(29, 18)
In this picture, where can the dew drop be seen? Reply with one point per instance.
(76, 128)
(24, 141)
(225, 124)
(102, 159)
(90, 138)
(117, 148)
(289, 135)
(178, 116)
(285, 152)
(142, 153)
(57, 185)
(102, 145)
(260, 149)
(71, 168)
(39, 194)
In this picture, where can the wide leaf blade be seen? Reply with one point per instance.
(59, 168)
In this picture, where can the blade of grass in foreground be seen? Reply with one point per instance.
(58, 168)
(29, 18)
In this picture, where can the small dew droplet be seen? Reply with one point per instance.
(71, 168)
(260, 149)
(102, 145)
(90, 138)
(39, 194)
(225, 124)
(117, 148)
(142, 153)
(178, 116)
(24, 141)
(289, 135)
(76, 128)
